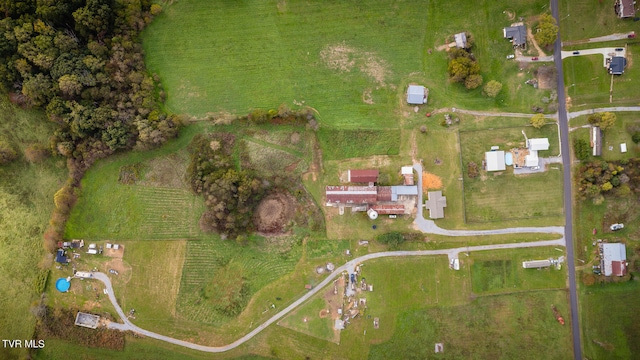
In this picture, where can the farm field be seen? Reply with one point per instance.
(539, 195)
(592, 82)
(26, 204)
(268, 53)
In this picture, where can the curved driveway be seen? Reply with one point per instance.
(348, 267)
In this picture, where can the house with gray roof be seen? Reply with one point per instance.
(436, 204)
(517, 34)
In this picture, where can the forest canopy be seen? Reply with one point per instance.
(81, 61)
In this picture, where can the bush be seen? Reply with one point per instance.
(423, 129)
(35, 153)
(537, 121)
(492, 88)
(7, 153)
(392, 239)
(636, 137)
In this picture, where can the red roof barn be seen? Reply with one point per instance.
(362, 176)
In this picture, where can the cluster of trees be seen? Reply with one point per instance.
(581, 149)
(603, 120)
(599, 177)
(546, 32)
(80, 60)
(231, 195)
(538, 121)
(464, 68)
(284, 115)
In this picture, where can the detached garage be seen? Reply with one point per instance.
(495, 160)
(417, 95)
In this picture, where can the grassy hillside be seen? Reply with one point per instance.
(26, 203)
(349, 60)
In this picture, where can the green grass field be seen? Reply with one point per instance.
(348, 60)
(501, 271)
(582, 20)
(538, 195)
(345, 144)
(609, 319)
(26, 203)
(592, 83)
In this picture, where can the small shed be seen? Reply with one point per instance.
(536, 264)
(362, 175)
(623, 147)
(407, 174)
(417, 95)
(60, 257)
(461, 40)
(495, 160)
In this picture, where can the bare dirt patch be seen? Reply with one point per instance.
(431, 181)
(274, 212)
(344, 58)
(510, 14)
(366, 97)
(339, 57)
(114, 253)
(534, 42)
(546, 76)
(323, 313)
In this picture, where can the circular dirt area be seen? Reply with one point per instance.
(274, 212)
(323, 313)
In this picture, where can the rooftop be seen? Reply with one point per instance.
(614, 259)
(436, 204)
(495, 160)
(417, 95)
(517, 34)
(617, 65)
(362, 176)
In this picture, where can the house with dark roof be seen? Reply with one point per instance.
(617, 65)
(625, 8)
(517, 34)
(60, 257)
(613, 259)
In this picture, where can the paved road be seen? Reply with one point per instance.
(430, 227)
(605, 38)
(348, 267)
(563, 123)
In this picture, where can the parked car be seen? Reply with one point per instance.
(534, 58)
(113, 272)
(619, 49)
(616, 227)
(393, 216)
(631, 36)
(576, 53)
(511, 57)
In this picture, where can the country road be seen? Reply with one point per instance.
(348, 267)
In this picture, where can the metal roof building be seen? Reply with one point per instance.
(495, 160)
(436, 204)
(362, 176)
(613, 259)
(461, 40)
(417, 95)
(596, 141)
(351, 194)
(536, 264)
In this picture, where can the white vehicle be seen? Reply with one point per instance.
(615, 227)
(393, 216)
(509, 57)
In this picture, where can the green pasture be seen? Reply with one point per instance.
(348, 60)
(26, 204)
(492, 195)
(306, 320)
(501, 271)
(621, 132)
(345, 144)
(583, 20)
(511, 326)
(592, 83)
(610, 320)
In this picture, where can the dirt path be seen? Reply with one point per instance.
(534, 42)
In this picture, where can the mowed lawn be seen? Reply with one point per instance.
(498, 196)
(349, 60)
(592, 82)
(583, 20)
(501, 271)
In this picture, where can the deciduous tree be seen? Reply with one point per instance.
(492, 88)
(546, 32)
(538, 121)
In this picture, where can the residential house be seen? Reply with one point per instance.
(625, 8)
(517, 33)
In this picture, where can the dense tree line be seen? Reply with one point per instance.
(80, 60)
(231, 195)
(464, 68)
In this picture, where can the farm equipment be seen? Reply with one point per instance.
(556, 313)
